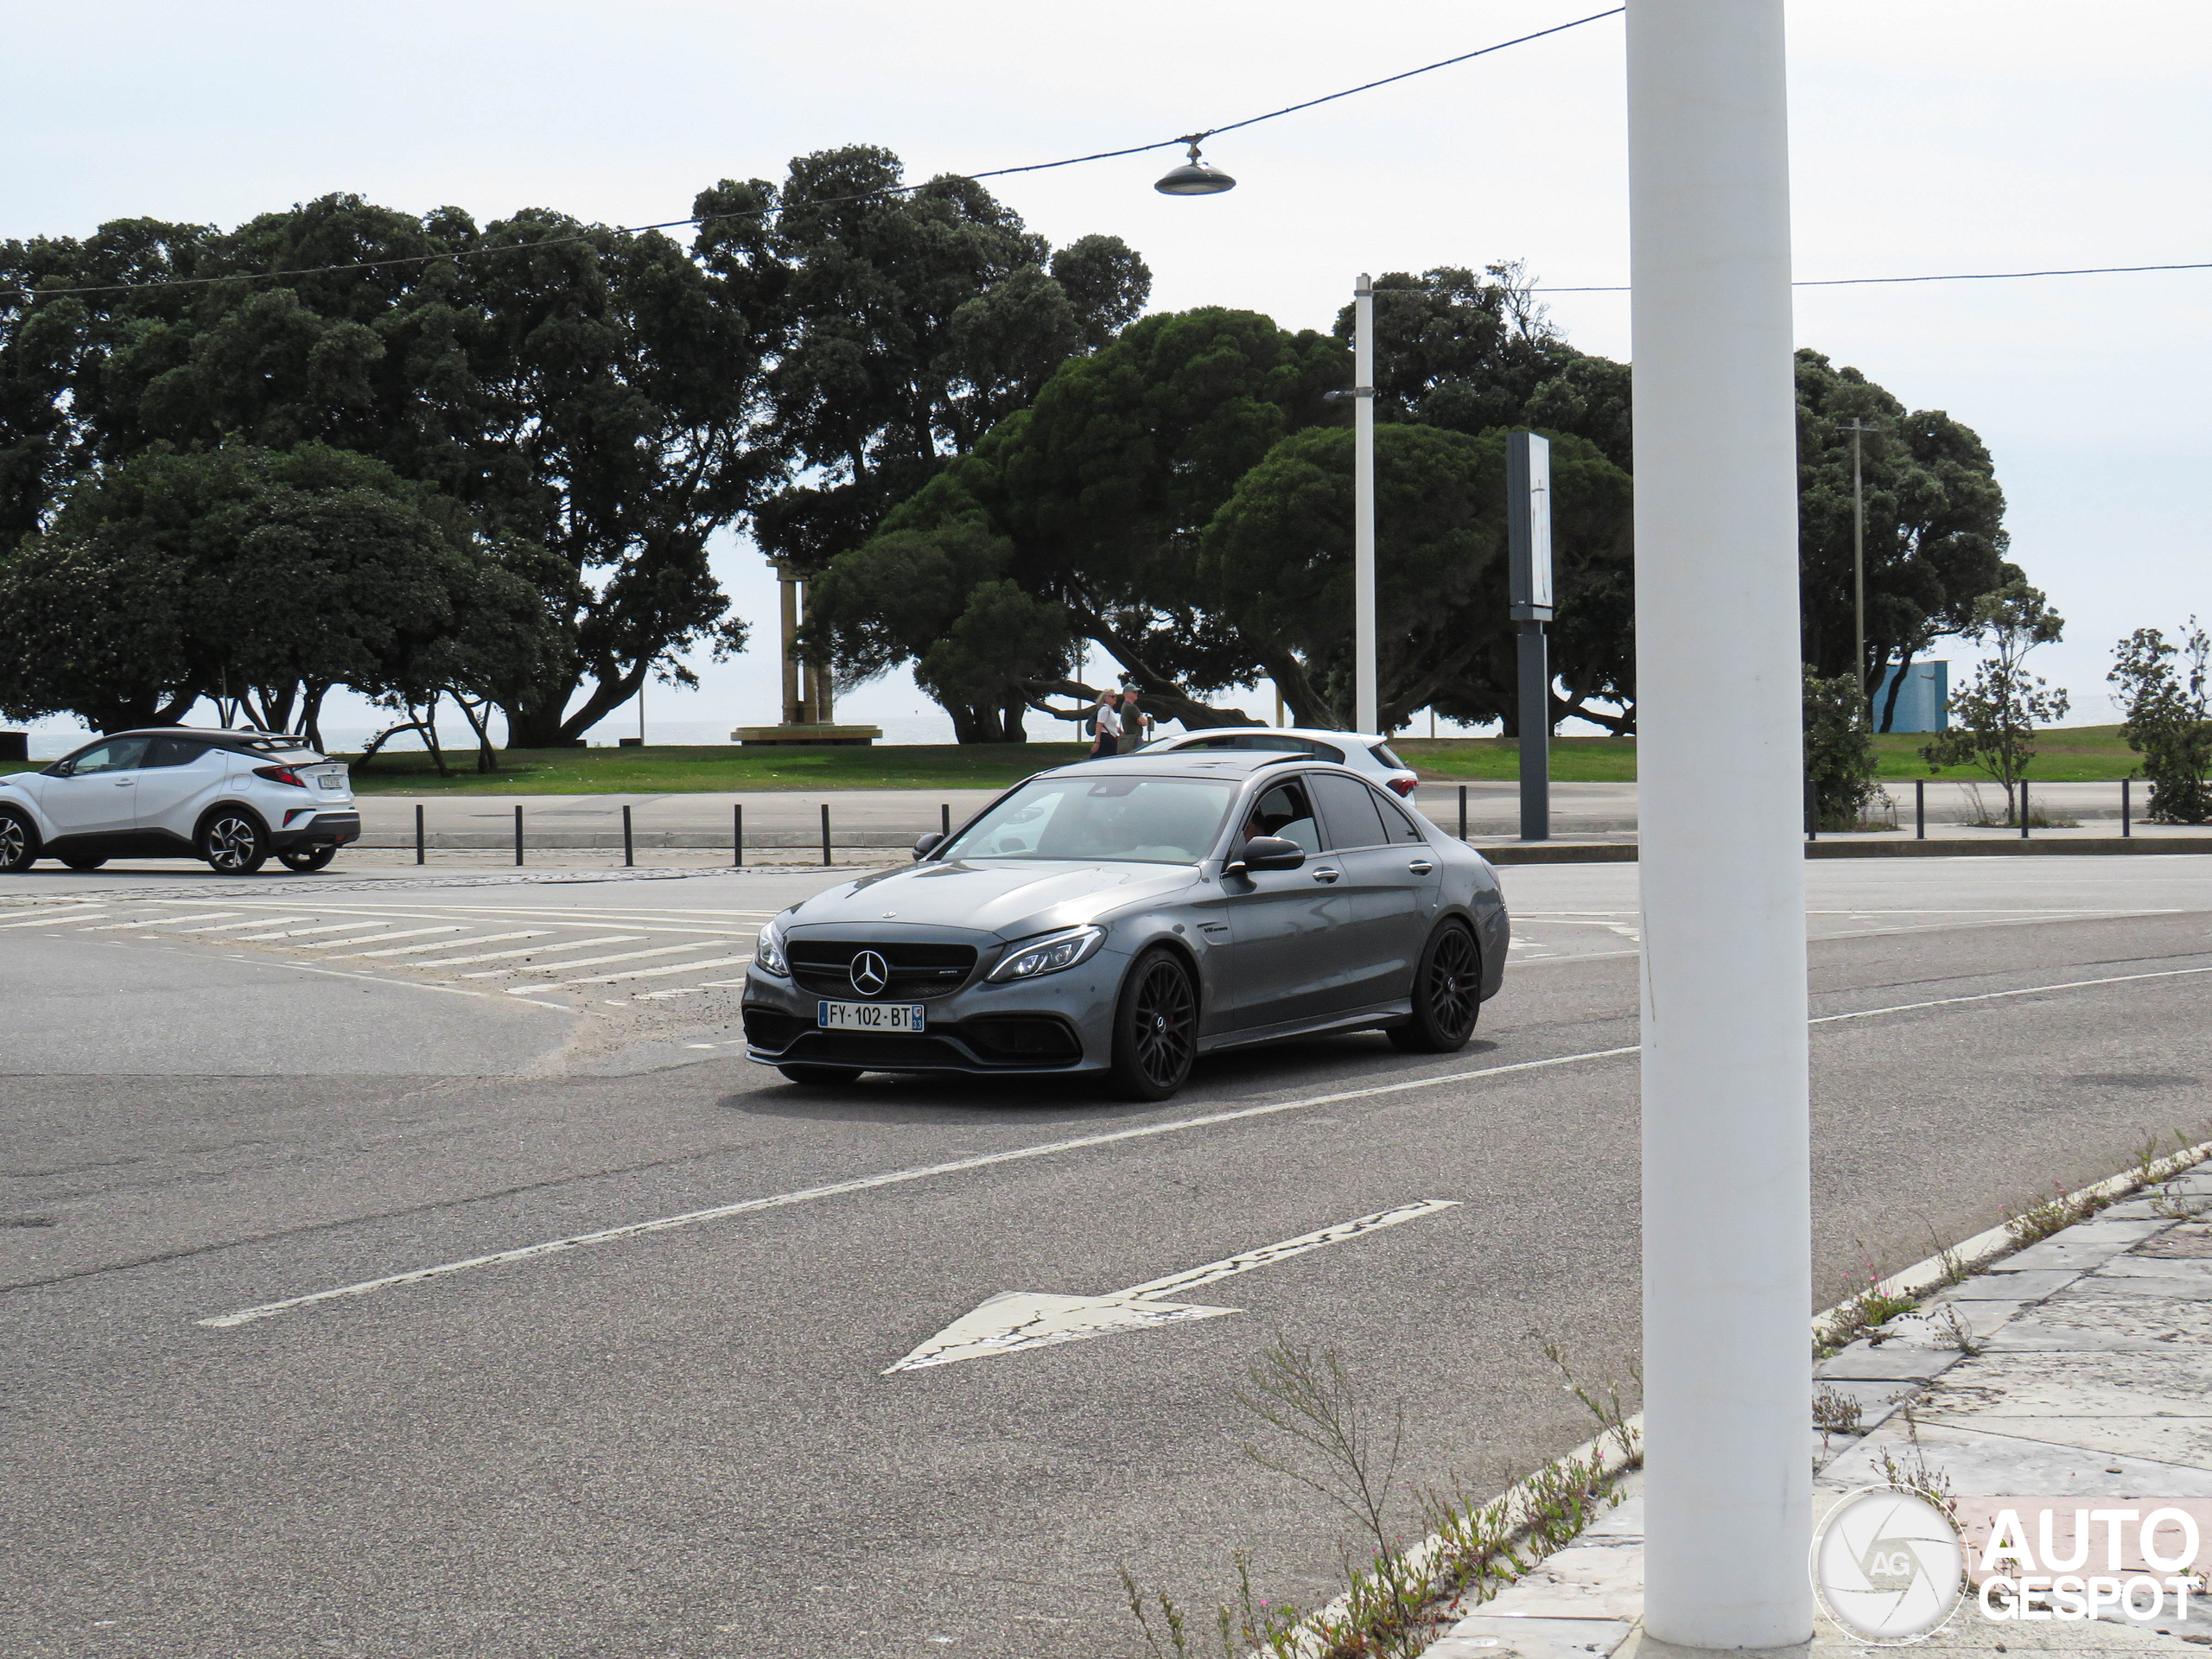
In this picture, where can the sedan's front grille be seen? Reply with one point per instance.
(825, 967)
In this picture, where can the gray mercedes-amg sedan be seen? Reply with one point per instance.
(1124, 917)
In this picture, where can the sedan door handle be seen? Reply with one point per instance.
(1326, 875)
(1420, 867)
(124, 783)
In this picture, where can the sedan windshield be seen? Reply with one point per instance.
(1138, 820)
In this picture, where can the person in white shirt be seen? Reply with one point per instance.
(1106, 728)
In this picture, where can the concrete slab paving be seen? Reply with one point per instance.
(2091, 1377)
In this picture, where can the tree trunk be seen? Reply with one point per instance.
(311, 714)
(1890, 704)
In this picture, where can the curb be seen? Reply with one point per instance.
(1573, 852)
(1975, 1253)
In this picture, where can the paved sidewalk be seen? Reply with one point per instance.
(2091, 1378)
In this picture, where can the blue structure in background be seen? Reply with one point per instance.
(1923, 702)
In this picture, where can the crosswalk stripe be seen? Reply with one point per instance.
(533, 950)
(635, 973)
(306, 933)
(378, 938)
(162, 921)
(592, 962)
(448, 944)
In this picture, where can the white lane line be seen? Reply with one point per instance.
(984, 1160)
(889, 1177)
(594, 962)
(75, 913)
(163, 921)
(232, 927)
(533, 950)
(448, 944)
(633, 973)
(2024, 990)
(379, 938)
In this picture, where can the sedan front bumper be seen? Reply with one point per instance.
(1059, 1024)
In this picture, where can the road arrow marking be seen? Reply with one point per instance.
(1029, 1318)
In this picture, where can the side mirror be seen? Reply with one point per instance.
(924, 846)
(1270, 852)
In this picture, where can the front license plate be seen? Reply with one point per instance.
(868, 1016)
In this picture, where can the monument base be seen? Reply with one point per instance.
(853, 736)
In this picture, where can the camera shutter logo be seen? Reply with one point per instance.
(1888, 1565)
(871, 974)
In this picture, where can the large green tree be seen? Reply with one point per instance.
(601, 395)
(920, 318)
(1935, 526)
(1278, 560)
(264, 577)
(1091, 504)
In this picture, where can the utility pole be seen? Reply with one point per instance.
(1529, 538)
(1727, 1212)
(1365, 703)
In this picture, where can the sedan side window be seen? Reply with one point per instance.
(1347, 807)
(1285, 811)
(1399, 826)
(119, 754)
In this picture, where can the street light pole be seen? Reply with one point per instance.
(1365, 715)
(1529, 536)
(1859, 430)
(1728, 1277)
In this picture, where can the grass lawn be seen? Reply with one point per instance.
(2064, 754)
(654, 770)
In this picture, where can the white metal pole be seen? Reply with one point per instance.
(1364, 714)
(1727, 1282)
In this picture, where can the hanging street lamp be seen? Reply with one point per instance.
(1195, 177)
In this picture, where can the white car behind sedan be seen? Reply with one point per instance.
(232, 798)
(1364, 751)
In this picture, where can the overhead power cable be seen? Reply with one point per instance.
(1942, 276)
(822, 201)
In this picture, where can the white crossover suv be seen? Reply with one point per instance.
(1364, 751)
(171, 791)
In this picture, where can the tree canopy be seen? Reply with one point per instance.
(1936, 537)
(265, 577)
(1091, 504)
(1278, 561)
(612, 399)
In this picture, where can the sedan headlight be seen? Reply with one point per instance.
(768, 953)
(1049, 954)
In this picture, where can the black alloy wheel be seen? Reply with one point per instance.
(234, 842)
(1156, 1028)
(18, 843)
(1448, 993)
(82, 863)
(306, 860)
(820, 1076)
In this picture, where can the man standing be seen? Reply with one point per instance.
(1136, 725)
(1106, 728)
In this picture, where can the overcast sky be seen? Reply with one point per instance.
(1929, 136)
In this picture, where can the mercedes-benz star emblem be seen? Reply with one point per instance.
(871, 974)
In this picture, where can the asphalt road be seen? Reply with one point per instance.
(681, 1441)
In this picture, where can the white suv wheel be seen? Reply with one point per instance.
(234, 843)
